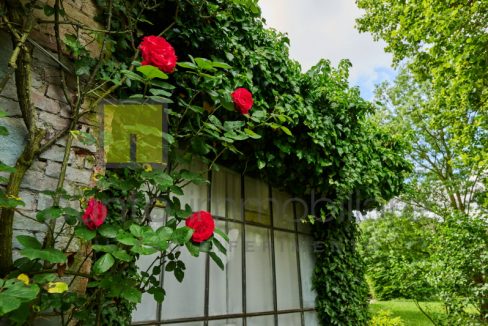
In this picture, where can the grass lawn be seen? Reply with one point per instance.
(408, 311)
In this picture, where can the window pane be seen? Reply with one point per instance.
(185, 299)
(147, 309)
(290, 320)
(283, 210)
(261, 321)
(226, 194)
(218, 193)
(311, 319)
(225, 293)
(233, 198)
(256, 201)
(259, 274)
(307, 263)
(301, 209)
(226, 322)
(195, 195)
(288, 293)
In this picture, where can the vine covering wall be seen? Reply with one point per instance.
(307, 133)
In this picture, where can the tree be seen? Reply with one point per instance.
(450, 168)
(443, 42)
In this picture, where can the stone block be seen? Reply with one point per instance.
(37, 181)
(53, 169)
(26, 223)
(10, 107)
(78, 175)
(11, 146)
(44, 103)
(56, 93)
(55, 153)
(53, 120)
(44, 202)
(29, 199)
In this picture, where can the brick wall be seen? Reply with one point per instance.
(53, 112)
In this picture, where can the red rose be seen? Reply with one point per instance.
(203, 225)
(95, 214)
(242, 99)
(156, 51)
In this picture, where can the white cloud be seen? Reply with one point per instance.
(325, 29)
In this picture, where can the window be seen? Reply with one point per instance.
(268, 266)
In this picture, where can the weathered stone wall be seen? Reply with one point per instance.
(54, 115)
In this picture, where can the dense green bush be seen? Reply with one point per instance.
(396, 249)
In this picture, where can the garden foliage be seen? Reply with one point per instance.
(307, 133)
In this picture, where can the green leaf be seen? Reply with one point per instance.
(222, 234)
(151, 72)
(84, 233)
(8, 304)
(252, 134)
(108, 231)
(131, 294)
(215, 121)
(170, 266)
(49, 213)
(193, 249)
(84, 137)
(219, 246)
(103, 264)
(29, 242)
(44, 278)
(204, 64)
(136, 230)
(49, 255)
(222, 65)
(286, 130)
(159, 92)
(132, 76)
(127, 239)
(105, 248)
(216, 259)
(158, 293)
(122, 255)
(182, 235)
(179, 274)
(3, 131)
(164, 233)
(49, 10)
(232, 125)
(143, 250)
(6, 168)
(187, 65)
(168, 138)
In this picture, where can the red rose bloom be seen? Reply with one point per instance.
(203, 225)
(156, 51)
(242, 99)
(95, 214)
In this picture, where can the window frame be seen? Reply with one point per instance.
(206, 318)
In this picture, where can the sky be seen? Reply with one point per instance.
(325, 29)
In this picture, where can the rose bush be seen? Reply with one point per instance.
(242, 99)
(203, 225)
(158, 52)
